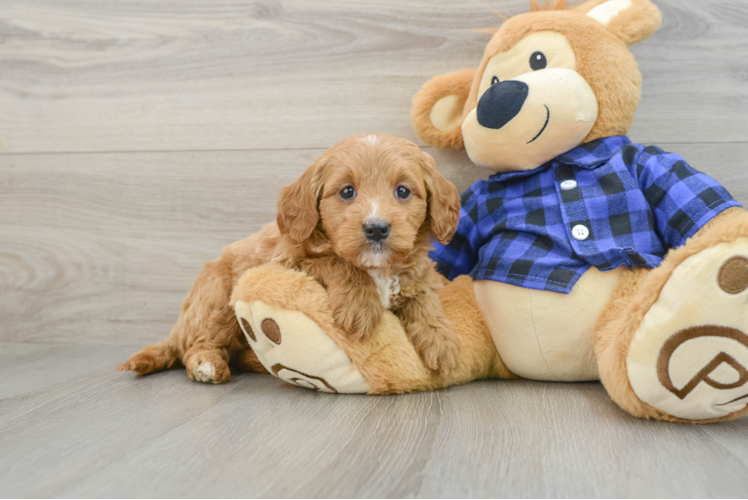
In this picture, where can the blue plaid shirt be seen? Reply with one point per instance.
(633, 203)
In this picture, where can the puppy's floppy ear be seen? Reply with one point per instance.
(298, 210)
(630, 20)
(437, 109)
(444, 201)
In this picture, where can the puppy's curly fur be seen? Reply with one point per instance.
(320, 229)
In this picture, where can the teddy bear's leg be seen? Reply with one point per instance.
(545, 335)
(287, 320)
(673, 343)
(245, 360)
(478, 355)
(285, 317)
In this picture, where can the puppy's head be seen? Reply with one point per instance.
(372, 196)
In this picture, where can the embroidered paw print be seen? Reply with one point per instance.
(295, 349)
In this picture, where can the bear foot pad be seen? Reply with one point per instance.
(295, 349)
(689, 357)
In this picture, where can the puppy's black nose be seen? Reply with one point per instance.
(501, 102)
(377, 229)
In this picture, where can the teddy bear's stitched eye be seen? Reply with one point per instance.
(537, 61)
(347, 193)
(402, 192)
(494, 80)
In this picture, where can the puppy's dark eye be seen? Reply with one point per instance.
(494, 80)
(402, 192)
(537, 61)
(348, 193)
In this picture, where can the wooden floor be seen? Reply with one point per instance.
(139, 137)
(72, 427)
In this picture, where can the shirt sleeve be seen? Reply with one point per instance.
(461, 254)
(682, 199)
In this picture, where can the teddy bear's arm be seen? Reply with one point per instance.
(682, 199)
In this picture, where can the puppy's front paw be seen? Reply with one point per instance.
(358, 327)
(358, 318)
(438, 347)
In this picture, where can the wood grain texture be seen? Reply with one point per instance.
(102, 248)
(76, 428)
(124, 75)
(139, 137)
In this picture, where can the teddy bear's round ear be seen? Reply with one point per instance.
(630, 20)
(438, 108)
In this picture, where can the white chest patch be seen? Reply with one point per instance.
(385, 287)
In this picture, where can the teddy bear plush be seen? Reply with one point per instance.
(585, 257)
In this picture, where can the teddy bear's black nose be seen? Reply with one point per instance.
(501, 102)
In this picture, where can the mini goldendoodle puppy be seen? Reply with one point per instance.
(359, 220)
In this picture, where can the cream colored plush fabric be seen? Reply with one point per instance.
(546, 335)
(604, 12)
(447, 113)
(295, 349)
(689, 350)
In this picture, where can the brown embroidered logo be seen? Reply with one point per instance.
(675, 341)
(308, 381)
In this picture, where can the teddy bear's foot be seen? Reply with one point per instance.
(274, 307)
(689, 356)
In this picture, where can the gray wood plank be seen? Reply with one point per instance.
(106, 434)
(103, 247)
(121, 75)
(28, 383)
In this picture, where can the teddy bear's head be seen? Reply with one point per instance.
(550, 80)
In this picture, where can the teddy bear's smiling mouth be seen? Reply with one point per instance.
(547, 119)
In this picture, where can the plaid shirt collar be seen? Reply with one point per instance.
(590, 155)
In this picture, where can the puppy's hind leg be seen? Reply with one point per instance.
(210, 348)
(152, 358)
(206, 363)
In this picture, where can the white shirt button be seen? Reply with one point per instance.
(569, 184)
(580, 232)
